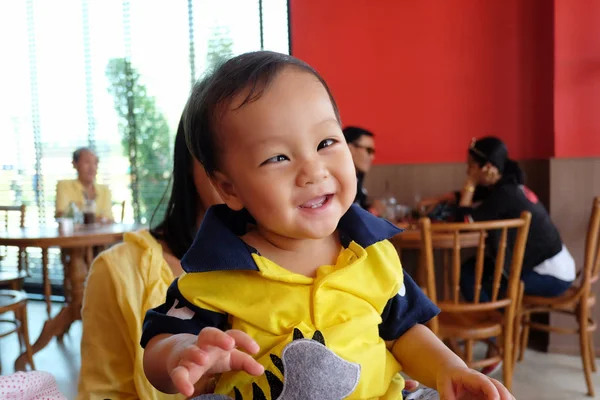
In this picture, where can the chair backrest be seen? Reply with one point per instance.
(591, 265)
(499, 299)
(8, 210)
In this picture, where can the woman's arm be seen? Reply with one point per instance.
(494, 206)
(107, 366)
(466, 194)
(428, 203)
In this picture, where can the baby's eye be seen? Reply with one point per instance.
(326, 143)
(276, 159)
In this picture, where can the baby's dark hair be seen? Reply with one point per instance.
(213, 94)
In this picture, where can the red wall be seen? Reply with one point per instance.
(427, 76)
(577, 78)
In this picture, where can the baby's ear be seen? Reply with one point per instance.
(226, 190)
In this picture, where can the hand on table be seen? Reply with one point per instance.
(426, 206)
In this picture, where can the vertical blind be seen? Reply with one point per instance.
(113, 75)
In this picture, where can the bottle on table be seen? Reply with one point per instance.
(74, 213)
(389, 202)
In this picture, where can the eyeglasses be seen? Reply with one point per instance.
(370, 150)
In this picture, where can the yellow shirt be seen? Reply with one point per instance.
(316, 335)
(124, 282)
(72, 190)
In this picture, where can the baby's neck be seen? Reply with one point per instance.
(301, 256)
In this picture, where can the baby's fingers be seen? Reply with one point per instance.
(190, 369)
(240, 361)
(216, 338)
(502, 390)
(180, 377)
(244, 341)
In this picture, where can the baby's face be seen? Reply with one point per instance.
(284, 159)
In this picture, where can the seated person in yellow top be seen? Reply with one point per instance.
(84, 187)
(290, 291)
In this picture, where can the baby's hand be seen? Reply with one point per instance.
(214, 352)
(460, 383)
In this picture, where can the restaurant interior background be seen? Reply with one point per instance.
(425, 76)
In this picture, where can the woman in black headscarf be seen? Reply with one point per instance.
(495, 189)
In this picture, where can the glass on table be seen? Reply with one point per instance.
(89, 212)
(66, 226)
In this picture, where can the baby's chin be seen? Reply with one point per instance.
(316, 232)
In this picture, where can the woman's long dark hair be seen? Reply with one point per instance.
(179, 226)
(493, 150)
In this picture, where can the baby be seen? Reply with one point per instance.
(290, 291)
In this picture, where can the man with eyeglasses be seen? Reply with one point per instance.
(362, 147)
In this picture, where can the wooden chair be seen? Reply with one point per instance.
(476, 321)
(576, 301)
(15, 280)
(23, 262)
(12, 279)
(16, 301)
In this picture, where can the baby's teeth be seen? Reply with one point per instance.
(318, 204)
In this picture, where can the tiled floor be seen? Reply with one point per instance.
(539, 376)
(553, 377)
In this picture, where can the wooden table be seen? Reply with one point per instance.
(410, 239)
(74, 244)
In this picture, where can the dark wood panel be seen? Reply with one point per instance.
(407, 182)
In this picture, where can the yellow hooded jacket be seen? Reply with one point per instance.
(324, 336)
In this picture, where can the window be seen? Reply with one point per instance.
(64, 86)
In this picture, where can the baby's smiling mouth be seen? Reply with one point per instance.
(316, 202)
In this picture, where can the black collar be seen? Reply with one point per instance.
(218, 246)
